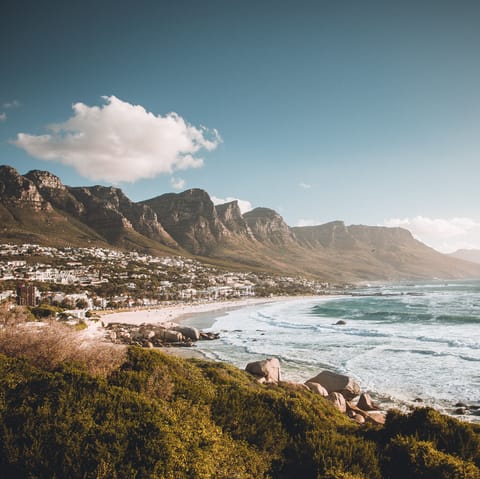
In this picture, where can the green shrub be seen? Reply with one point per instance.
(407, 457)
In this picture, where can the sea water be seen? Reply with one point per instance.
(405, 343)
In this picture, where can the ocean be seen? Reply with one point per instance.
(407, 344)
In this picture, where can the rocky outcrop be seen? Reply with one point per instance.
(338, 400)
(366, 403)
(119, 212)
(54, 191)
(188, 332)
(20, 192)
(190, 218)
(154, 335)
(268, 227)
(317, 388)
(268, 370)
(337, 383)
(231, 217)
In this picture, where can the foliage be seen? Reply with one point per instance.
(45, 311)
(48, 345)
(411, 458)
(158, 416)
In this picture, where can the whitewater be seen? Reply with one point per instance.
(407, 344)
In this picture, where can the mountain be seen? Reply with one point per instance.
(472, 255)
(190, 218)
(38, 208)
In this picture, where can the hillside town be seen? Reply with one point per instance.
(79, 280)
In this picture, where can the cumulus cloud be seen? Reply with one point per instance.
(3, 116)
(177, 183)
(119, 142)
(443, 234)
(244, 205)
(305, 186)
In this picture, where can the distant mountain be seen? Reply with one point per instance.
(472, 255)
(39, 208)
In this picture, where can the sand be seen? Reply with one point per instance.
(178, 312)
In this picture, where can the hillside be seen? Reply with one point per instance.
(38, 208)
(472, 255)
(149, 414)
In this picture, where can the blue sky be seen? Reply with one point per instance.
(367, 112)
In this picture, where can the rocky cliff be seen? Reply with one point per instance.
(37, 207)
(190, 218)
(269, 227)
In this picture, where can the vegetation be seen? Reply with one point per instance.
(145, 414)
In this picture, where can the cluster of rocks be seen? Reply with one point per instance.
(467, 409)
(154, 335)
(340, 390)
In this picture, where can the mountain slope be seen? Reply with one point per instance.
(472, 255)
(38, 208)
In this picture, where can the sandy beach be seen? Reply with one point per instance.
(177, 312)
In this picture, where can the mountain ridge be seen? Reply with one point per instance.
(38, 207)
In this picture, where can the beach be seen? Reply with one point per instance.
(163, 315)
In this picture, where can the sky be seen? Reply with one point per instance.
(366, 112)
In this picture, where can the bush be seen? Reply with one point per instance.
(49, 345)
(409, 458)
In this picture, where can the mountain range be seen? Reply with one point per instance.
(38, 208)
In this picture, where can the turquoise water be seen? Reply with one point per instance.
(402, 342)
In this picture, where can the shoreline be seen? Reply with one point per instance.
(204, 315)
(181, 311)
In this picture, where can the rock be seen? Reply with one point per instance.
(317, 388)
(267, 368)
(209, 336)
(339, 383)
(338, 401)
(418, 400)
(365, 403)
(351, 413)
(359, 419)
(340, 323)
(376, 418)
(188, 332)
(149, 344)
(460, 411)
(170, 336)
(461, 404)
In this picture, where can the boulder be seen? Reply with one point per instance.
(317, 388)
(170, 336)
(338, 401)
(359, 419)
(340, 323)
(267, 368)
(365, 403)
(188, 332)
(376, 418)
(338, 383)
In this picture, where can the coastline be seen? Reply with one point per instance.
(181, 311)
(199, 315)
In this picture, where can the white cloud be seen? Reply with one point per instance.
(12, 104)
(307, 222)
(177, 183)
(3, 116)
(119, 142)
(305, 186)
(244, 205)
(445, 235)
